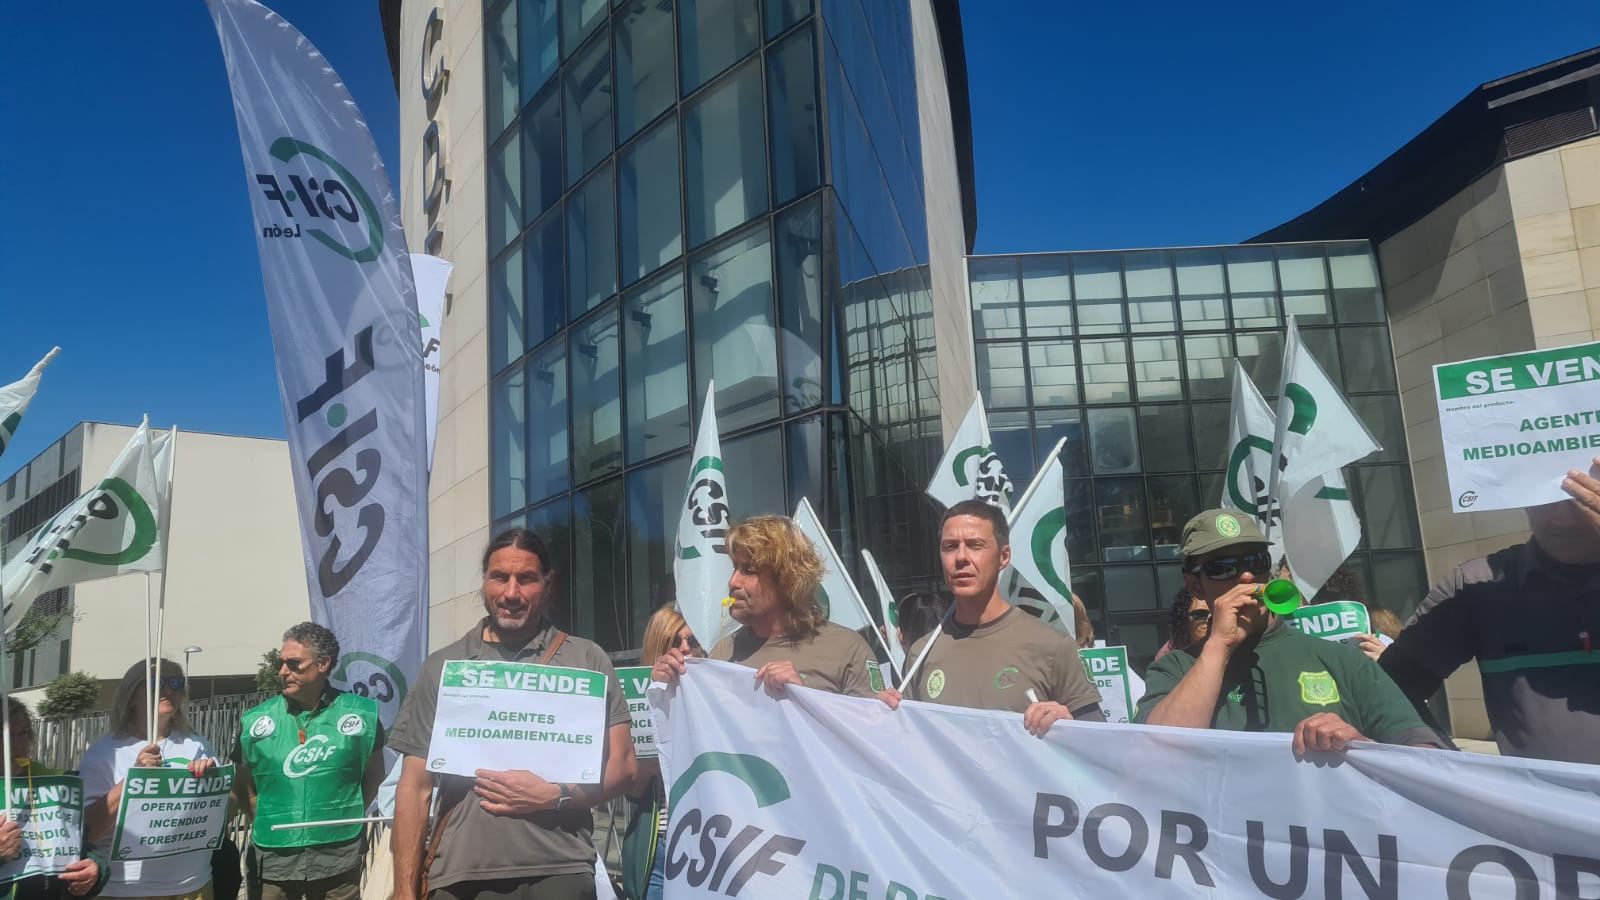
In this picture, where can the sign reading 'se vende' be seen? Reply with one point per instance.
(502, 716)
(1513, 425)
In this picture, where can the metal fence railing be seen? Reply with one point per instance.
(60, 743)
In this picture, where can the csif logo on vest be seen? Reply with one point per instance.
(308, 757)
(339, 485)
(317, 197)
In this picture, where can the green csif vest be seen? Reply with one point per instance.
(318, 779)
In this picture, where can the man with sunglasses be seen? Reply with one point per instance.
(1254, 673)
(312, 753)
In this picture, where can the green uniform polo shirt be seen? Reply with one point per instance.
(1287, 677)
(309, 764)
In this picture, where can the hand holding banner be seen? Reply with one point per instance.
(50, 810)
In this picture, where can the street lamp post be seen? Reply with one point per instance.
(188, 652)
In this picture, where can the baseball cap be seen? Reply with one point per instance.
(1216, 529)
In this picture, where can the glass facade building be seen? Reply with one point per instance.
(696, 190)
(1128, 356)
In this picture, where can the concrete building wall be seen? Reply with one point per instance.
(442, 143)
(235, 567)
(1511, 263)
(952, 312)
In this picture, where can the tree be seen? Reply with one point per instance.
(267, 673)
(43, 620)
(73, 694)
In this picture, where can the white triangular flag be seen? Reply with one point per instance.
(1039, 538)
(970, 467)
(839, 595)
(15, 397)
(891, 616)
(701, 565)
(111, 529)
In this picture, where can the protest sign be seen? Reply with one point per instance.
(50, 810)
(1340, 620)
(1513, 425)
(634, 681)
(519, 716)
(168, 811)
(1107, 668)
(795, 798)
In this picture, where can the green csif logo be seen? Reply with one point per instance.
(763, 779)
(1042, 542)
(335, 197)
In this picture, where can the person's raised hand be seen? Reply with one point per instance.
(669, 666)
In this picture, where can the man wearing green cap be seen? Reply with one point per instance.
(1253, 673)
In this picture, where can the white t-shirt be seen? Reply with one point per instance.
(107, 762)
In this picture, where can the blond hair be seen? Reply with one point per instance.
(777, 548)
(1384, 622)
(125, 718)
(1081, 624)
(661, 633)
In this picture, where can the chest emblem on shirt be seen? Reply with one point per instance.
(308, 757)
(1318, 688)
(875, 675)
(350, 724)
(1236, 695)
(1006, 678)
(263, 727)
(935, 684)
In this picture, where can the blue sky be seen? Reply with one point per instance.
(128, 238)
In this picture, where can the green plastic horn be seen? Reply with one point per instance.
(1281, 596)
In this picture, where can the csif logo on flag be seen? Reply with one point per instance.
(314, 195)
(988, 479)
(708, 507)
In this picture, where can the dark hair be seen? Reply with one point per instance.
(987, 511)
(320, 641)
(1178, 619)
(919, 614)
(522, 539)
(1344, 584)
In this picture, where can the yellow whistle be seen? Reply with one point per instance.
(727, 602)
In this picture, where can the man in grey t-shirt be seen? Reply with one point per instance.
(988, 654)
(511, 834)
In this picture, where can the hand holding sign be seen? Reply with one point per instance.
(10, 839)
(80, 876)
(514, 793)
(1584, 489)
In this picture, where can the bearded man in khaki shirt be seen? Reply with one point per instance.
(989, 654)
(784, 634)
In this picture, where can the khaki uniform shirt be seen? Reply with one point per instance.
(833, 660)
(481, 846)
(993, 665)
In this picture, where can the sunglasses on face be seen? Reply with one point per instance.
(1224, 568)
(295, 665)
(1199, 615)
(691, 642)
(173, 683)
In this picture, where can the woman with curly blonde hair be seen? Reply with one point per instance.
(785, 636)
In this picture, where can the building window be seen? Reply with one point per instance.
(587, 89)
(652, 233)
(735, 341)
(725, 156)
(657, 366)
(591, 244)
(646, 82)
(715, 34)
(792, 105)
(596, 398)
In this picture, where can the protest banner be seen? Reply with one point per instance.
(795, 798)
(503, 716)
(635, 680)
(1340, 620)
(168, 811)
(342, 306)
(50, 810)
(1513, 425)
(1107, 668)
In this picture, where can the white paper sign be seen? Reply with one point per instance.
(1340, 620)
(168, 811)
(635, 680)
(519, 716)
(1107, 668)
(50, 810)
(1513, 425)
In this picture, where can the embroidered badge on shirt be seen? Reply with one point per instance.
(1318, 688)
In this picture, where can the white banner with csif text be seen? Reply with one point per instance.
(342, 305)
(795, 798)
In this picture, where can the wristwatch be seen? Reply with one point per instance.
(565, 798)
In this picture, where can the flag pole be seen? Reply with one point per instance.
(149, 658)
(1280, 430)
(1038, 479)
(5, 700)
(1011, 517)
(166, 547)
